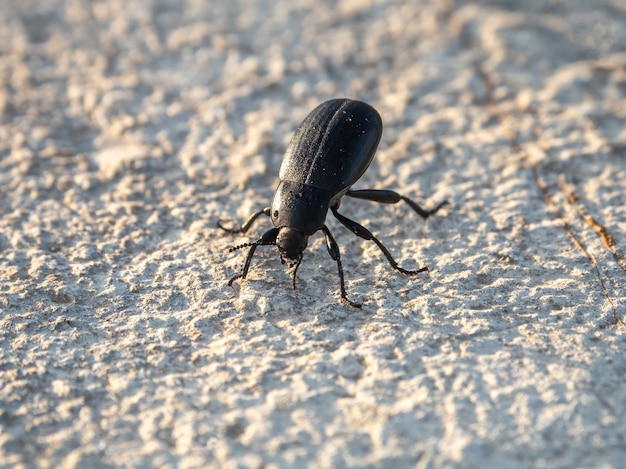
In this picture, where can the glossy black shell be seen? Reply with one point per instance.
(333, 146)
(329, 152)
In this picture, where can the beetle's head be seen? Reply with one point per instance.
(291, 243)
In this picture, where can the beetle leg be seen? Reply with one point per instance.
(267, 239)
(391, 197)
(364, 233)
(333, 250)
(246, 226)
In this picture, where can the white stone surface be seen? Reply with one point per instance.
(128, 128)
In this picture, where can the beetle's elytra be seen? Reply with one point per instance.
(329, 152)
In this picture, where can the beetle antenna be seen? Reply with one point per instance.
(260, 242)
(295, 266)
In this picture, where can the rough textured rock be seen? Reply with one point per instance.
(128, 128)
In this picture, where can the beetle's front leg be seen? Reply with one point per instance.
(246, 226)
(366, 234)
(392, 197)
(333, 250)
(269, 237)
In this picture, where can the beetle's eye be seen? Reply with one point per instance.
(275, 213)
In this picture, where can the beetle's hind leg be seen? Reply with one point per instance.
(364, 233)
(269, 238)
(391, 197)
(246, 226)
(333, 250)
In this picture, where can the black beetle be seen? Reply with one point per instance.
(329, 152)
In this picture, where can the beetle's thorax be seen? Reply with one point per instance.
(300, 206)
